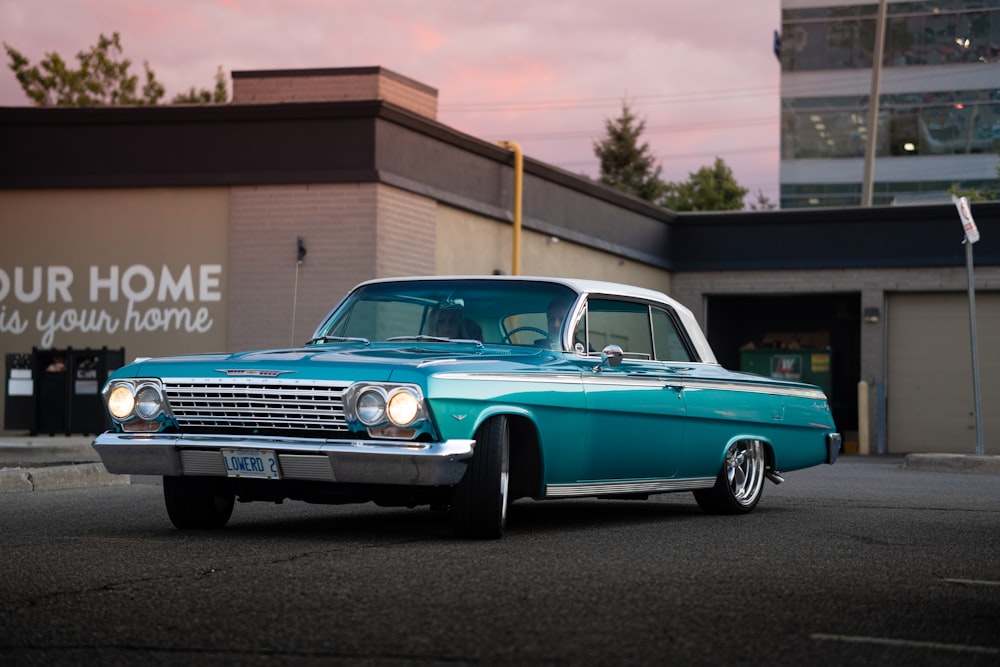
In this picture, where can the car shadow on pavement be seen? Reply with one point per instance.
(525, 517)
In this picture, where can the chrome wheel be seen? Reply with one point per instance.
(745, 471)
(504, 482)
(740, 483)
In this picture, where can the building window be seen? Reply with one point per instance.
(884, 194)
(917, 33)
(935, 123)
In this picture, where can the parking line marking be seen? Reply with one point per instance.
(972, 582)
(886, 641)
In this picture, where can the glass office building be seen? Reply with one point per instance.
(939, 101)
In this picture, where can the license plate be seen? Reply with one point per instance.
(256, 463)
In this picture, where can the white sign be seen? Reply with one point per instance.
(108, 299)
(965, 213)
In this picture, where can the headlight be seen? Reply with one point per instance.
(148, 402)
(121, 400)
(137, 404)
(371, 407)
(403, 407)
(386, 410)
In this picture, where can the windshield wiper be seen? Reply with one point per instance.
(338, 339)
(436, 339)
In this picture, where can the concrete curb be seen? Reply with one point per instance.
(962, 463)
(54, 478)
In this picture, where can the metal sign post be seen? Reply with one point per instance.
(971, 236)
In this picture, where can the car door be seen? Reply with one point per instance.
(635, 410)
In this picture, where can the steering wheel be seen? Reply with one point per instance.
(506, 339)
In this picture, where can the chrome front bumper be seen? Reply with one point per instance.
(307, 459)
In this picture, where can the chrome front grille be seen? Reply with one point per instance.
(264, 407)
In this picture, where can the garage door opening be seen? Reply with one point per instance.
(736, 322)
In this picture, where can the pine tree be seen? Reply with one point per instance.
(627, 164)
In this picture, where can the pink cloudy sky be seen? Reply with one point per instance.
(544, 73)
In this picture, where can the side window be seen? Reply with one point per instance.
(667, 339)
(622, 323)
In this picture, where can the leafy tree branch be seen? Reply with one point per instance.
(102, 77)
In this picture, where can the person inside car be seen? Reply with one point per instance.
(449, 323)
(555, 315)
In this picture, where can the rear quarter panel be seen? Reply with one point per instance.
(731, 406)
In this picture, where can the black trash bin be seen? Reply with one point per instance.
(51, 371)
(89, 370)
(19, 401)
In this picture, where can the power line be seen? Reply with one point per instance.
(561, 104)
(728, 151)
(682, 156)
(654, 129)
(752, 187)
(596, 102)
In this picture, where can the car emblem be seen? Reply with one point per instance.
(250, 372)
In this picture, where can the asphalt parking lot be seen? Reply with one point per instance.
(859, 563)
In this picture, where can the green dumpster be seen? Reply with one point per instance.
(799, 365)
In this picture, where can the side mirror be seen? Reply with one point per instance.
(611, 355)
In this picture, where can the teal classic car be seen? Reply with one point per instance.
(466, 393)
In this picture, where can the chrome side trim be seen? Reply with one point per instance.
(641, 486)
(362, 461)
(568, 378)
(813, 394)
(641, 381)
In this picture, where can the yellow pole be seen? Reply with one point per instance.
(518, 189)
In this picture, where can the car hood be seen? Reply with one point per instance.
(347, 362)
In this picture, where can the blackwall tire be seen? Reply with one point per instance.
(740, 483)
(197, 502)
(480, 500)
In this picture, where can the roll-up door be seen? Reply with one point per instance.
(930, 399)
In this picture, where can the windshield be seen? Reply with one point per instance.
(490, 311)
